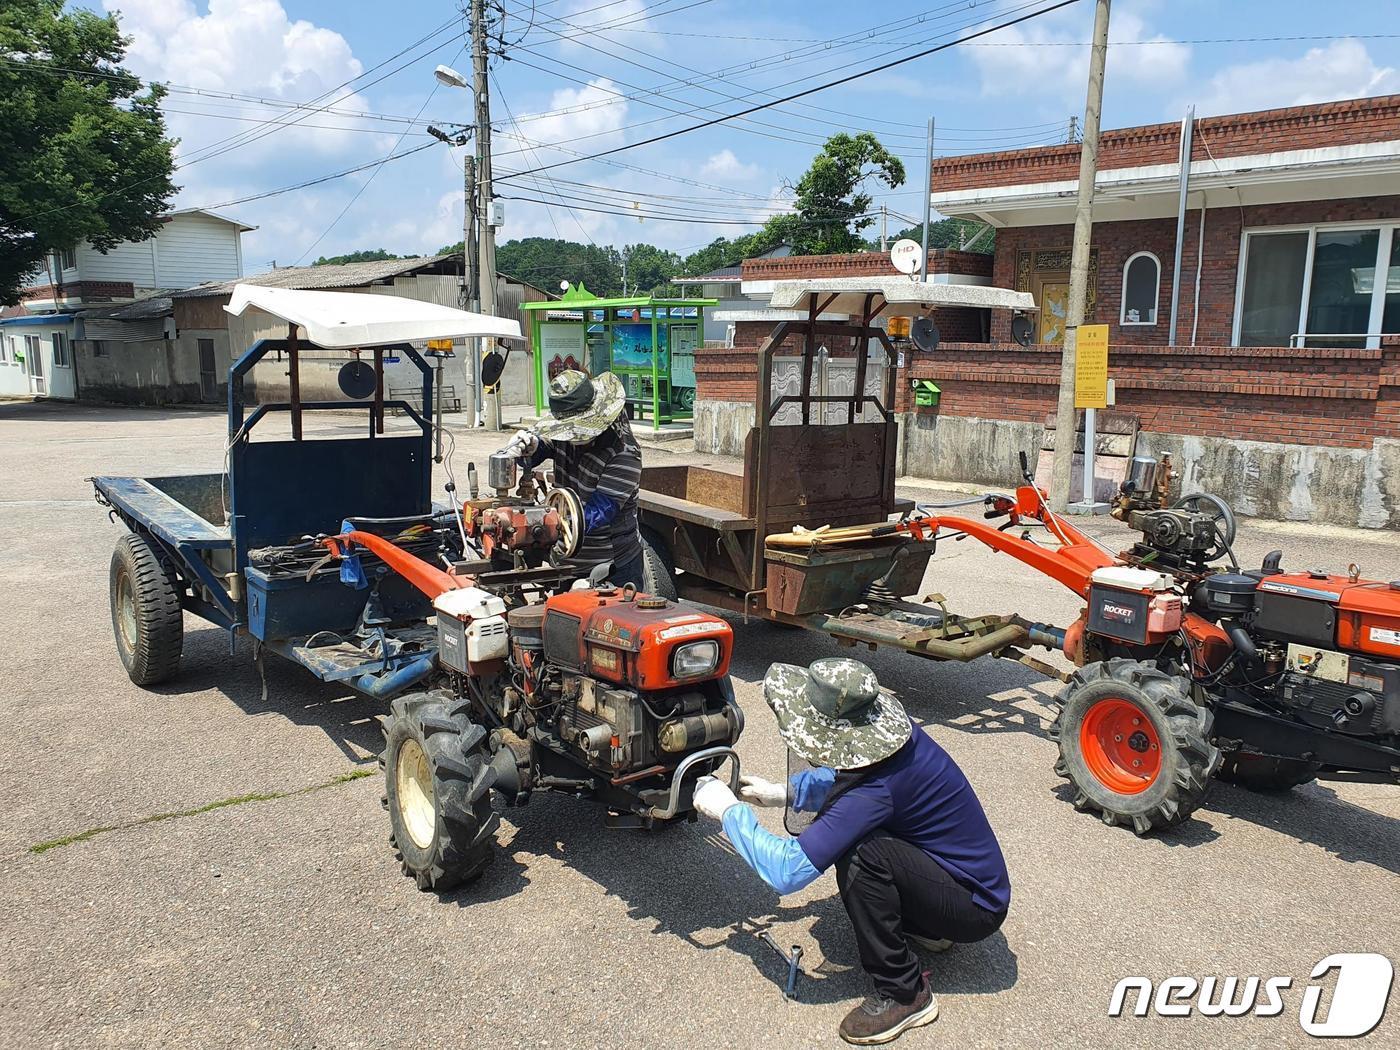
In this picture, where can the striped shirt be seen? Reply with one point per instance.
(610, 464)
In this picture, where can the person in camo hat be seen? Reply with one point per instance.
(588, 437)
(916, 861)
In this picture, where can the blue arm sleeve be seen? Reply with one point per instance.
(778, 860)
(543, 451)
(599, 510)
(810, 788)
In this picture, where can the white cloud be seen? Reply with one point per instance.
(582, 120)
(1059, 73)
(724, 165)
(1343, 69)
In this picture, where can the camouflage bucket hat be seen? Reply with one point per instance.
(835, 714)
(581, 408)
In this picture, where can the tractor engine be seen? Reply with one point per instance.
(627, 684)
(1327, 646)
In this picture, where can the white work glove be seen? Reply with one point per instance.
(713, 797)
(520, 446)
(762, 792)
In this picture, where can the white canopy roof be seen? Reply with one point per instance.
(850, 294)
(340, 320)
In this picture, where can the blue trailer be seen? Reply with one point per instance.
(237, 548)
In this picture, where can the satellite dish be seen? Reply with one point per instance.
(924, 333)
(907, 256)
(356, 379)
(1021, 329)
(492, 365)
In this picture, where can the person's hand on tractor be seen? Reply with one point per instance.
(760, 792)
(713, 798)
(521, 446)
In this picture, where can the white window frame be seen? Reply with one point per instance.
(5, 348)
(68, 259)
(60, 341)
(1156, 294)
(1389, 231)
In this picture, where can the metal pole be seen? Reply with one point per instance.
(1188, 126)
(1090, 446)
(884, 229)
(1079, 262)
(487, 279)
(928, 193)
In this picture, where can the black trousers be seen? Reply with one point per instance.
(890, 886)
(628, 572)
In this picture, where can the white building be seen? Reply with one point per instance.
(37, 352)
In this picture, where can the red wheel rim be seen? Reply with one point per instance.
(1120, 746)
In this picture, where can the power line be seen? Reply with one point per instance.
(812, 90)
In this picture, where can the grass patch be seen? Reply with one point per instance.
(208, 807)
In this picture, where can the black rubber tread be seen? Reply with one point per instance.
(658, 570)
(1265, 773)
(1189, 758)
(464, 838)
(160, 621)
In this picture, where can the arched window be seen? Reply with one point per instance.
(1142, 279)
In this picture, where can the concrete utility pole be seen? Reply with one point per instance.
(884, 228)
(1079, 265)
(928, 194)
(486, 280)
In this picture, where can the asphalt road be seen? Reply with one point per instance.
(283, 921)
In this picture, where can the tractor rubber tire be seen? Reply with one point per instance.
(147, 619)
(1265, 773)
(658, 570)
(438, 777)
(1134, 744)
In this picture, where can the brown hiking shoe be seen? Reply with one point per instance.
(881, 1020)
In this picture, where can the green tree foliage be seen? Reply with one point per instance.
(366, 255)
(831, 198)
(650, 269)
(74, 165)
(953, 233)
(716, 255)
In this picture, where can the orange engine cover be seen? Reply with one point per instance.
(1367, 611)
(630, 639)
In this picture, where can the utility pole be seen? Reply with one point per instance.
(884, 229)
(1073, 131)
(928, 193)
(486, 254)
(1079, 265)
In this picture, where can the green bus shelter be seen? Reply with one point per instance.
(649, 343)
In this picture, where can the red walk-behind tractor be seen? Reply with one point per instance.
(1268, 677)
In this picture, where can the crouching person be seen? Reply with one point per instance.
(916, 861)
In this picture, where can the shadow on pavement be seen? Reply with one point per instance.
(719, 905)
(69, 412)
(283, 688)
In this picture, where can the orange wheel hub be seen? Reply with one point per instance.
(1120, 746)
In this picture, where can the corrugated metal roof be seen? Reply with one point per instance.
(311, 278)
(724, 275)
(156, 304)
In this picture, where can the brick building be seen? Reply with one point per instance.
(1281, 390)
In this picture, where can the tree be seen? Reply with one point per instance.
(364, 255)
(831, 199)
(74, 165)
(545, 261)
(650, 269)
(953, 233)
(716, 255)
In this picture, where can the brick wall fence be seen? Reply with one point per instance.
(1311, 396)
(861, 264)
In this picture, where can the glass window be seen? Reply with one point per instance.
(1141, 281)
(60, 350)
(1390, 316)
(4, 349)
(1343, 279)
(99, 348)
(69, 259)
(1273, 287)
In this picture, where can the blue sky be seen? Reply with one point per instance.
(567, 93)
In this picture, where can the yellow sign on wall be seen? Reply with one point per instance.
(1091, 366)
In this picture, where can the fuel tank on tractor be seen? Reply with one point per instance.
(1361, 616)
(635, 639)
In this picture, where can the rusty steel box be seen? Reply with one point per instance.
(827, 579)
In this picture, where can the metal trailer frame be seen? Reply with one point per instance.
(279, 491)
(812, 475)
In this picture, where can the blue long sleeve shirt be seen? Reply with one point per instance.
(779, 860)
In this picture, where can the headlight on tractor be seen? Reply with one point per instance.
(695, 659)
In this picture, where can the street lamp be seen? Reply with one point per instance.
(449, 77)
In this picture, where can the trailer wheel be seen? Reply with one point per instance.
(1134, 744)
(658, 570)
(438, 781)
(1265, 773)
(147, 619)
